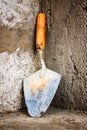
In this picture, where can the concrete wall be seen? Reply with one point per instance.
(17, 53)
(66, 47)
(66, 50)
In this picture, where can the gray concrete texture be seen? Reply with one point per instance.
(53, 119)
(66, 50)
(18, 58)
(66, 45)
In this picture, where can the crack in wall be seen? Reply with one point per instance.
(74, 66)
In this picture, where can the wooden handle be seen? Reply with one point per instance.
(41, 31)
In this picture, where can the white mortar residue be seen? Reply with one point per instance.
(14, 14)
(13, 69)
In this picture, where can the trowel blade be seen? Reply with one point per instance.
(39, 91)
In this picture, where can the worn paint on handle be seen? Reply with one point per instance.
(41, 31)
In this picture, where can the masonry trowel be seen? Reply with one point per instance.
(40, 87)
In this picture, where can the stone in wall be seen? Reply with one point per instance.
(18, 58)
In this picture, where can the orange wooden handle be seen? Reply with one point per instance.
(41, 31)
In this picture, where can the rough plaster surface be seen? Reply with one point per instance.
(66, 50)
(13, 13)
(17, 56)
(13, 69)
